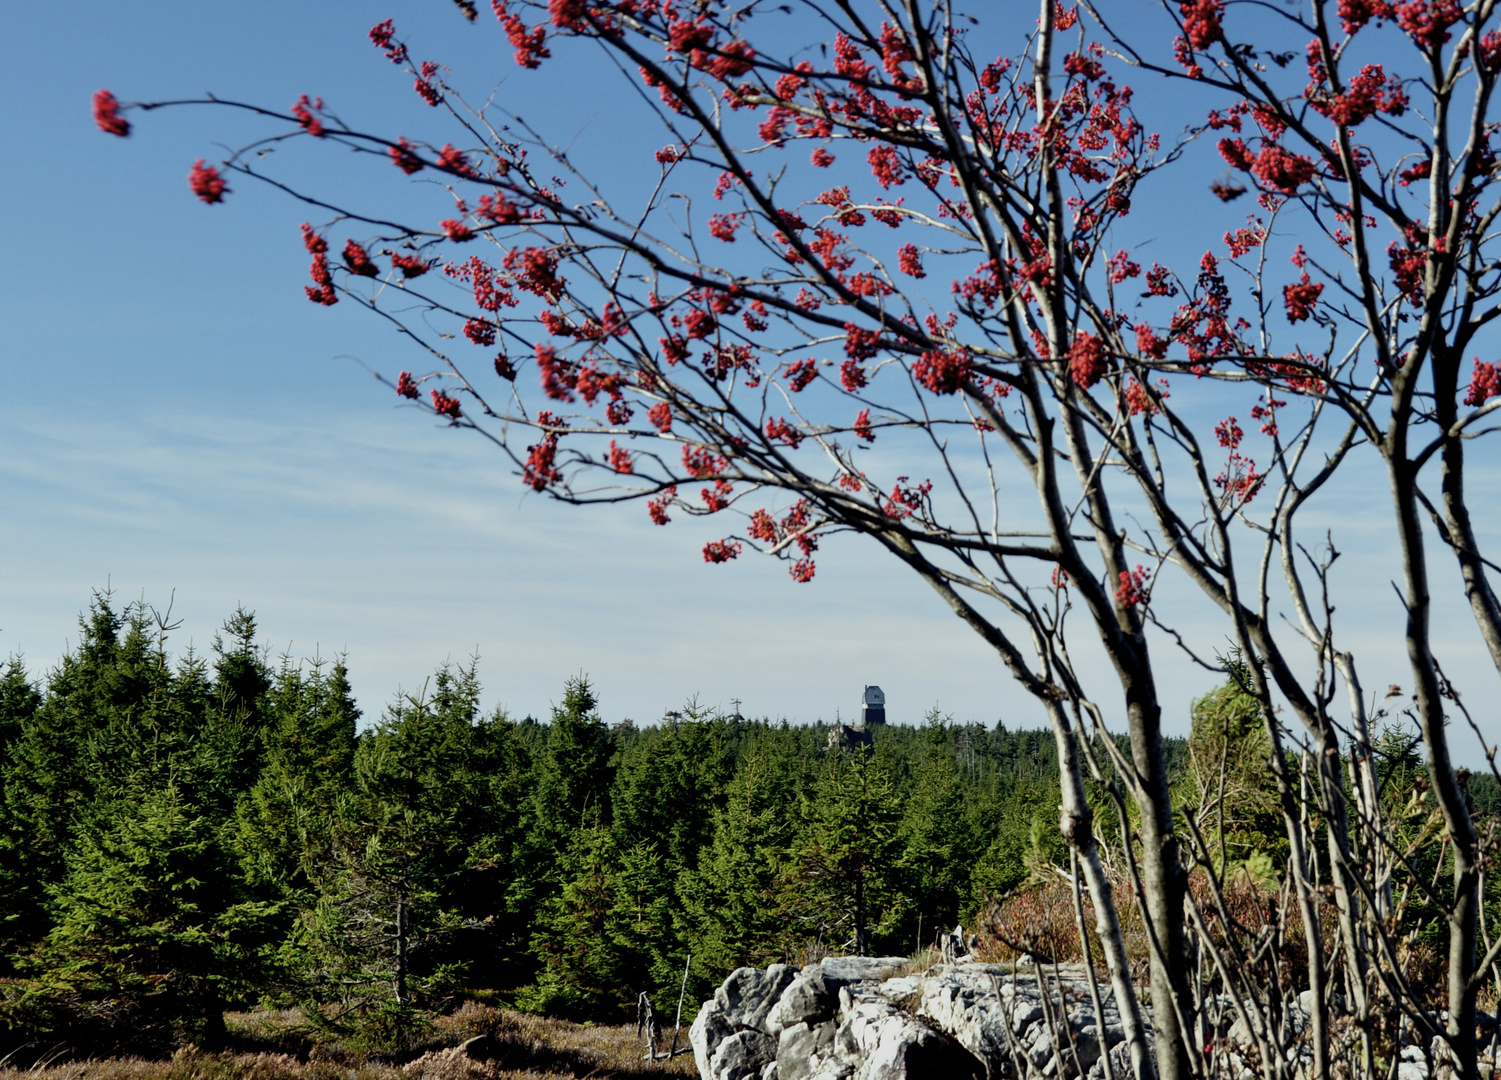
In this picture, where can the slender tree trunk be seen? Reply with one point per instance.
(1165, 883)
(1294, 810)
(860, 945)
(401, 950)
(1467, 550)
(1076, 823)
(1464, 912)
(1364, 785)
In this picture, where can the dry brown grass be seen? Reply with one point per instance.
(193, 1065)
(516, 1047)
(549, 1048)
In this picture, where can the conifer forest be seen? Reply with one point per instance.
(186, 834)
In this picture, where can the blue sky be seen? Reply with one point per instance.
(181, 424)
(181, 418)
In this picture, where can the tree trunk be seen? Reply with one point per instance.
(1165, 883)
(401, 950)
(860, 944)
(1464, 912)
(1076, 823)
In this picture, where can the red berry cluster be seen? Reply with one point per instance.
(322, 277)
(404, 157)
(718, 551)
(943, 371)
(1485, 383)
(620, 459)
(657, 508)
(304, 111)
(410, 265)
(107, 114)
(358, 260)
(206, 183)
(1134, 590)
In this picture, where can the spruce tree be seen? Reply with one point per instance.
(1227, 784)
(237, 718)
(381, 937)
(19, 702)
(145, 949)
(668, 780)
(581, 972)
(938, 843)
(49, 770)
(572, 772)
(492, 892)
(732, 903)
(1019, 815)
(846, 872)
(150, 929)
(285, 820)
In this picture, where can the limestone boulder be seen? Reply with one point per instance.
(742, 1056)
(708, 1031)
(747, 996)
(848, 969)
(970, 1015)
(882, 1042)
(804, 1048)
(811, 998)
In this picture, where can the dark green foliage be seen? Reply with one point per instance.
(597, 938)
(48, 781)
(241, 681)
(1485, 795)
(572, 772)
(150, 930)
(285, 819)
(844, 882)
(181, 836)
(731, 903)
(938, 836)
(669, 781)
(384, 933)
(137, 926)
(19, 702)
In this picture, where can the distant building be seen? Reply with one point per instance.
(873, 707)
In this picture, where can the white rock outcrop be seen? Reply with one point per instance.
(856, 1018)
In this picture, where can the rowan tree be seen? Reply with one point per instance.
(883, 286)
